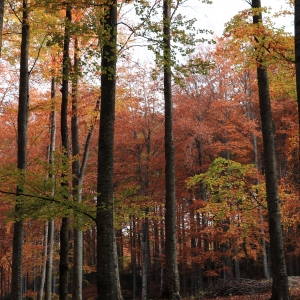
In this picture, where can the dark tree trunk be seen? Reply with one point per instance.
(108, 283)
(280, 288)
(64, 230)
(172, 276)
(22, 156)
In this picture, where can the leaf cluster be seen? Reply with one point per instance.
(43, 195)
(185, 36)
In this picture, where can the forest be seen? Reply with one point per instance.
(145, 158)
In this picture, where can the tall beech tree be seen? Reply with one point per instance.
(64, 230)
(108, 283)
(280, 288)
(172, 276)
(22, 155)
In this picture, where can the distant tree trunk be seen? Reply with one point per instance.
(280, 288)
(133, 258)
(108, 283)
(145, 255)
(172, 276)
(162, 252)
(64, 230)
(43, 275)
(50, 242)
(144, 186)
(22, 156)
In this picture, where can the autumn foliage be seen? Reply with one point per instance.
(222, 229)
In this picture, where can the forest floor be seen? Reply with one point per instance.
(242, 289)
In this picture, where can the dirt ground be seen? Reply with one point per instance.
(90, 293)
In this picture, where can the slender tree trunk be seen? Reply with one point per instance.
(108, 283)
(145, 255)
(133, 258)
(77, 190)
(48, 224)
(50, 242)
(22, 156)
(162, 252)
(280, 288)
(43, 275)
(172, 276)
(64, 230)
(48, 279)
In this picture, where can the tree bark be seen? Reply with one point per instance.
(50, 242)
(43, 275)
(108, 283)
(22, 156)
(64, 230)
(76, 184)
(172, 276)
(280, 288)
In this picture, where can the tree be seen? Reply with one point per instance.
(64, 230)
(50, 241)
(280, 288)
(108, 284)
(22, 155)
(172, 276)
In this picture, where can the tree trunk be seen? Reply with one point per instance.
(280, 288)
(43, 275)
(64, 230)
(108, 283)
(172, 276)
(50, 242)
(48, 279)
(76, 184)
(145, 255)
(22, 156)
(133, 258)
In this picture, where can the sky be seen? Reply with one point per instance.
(214, 16)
